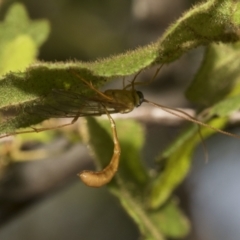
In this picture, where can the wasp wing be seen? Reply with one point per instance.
(61, 104)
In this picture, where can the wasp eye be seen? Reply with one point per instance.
(140, 98)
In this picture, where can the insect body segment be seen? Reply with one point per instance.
(123, 101)
(100, 178)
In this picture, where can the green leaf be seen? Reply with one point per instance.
(218, 75)
(225, 107)
(177, 162)
(208, 22)
(205, 23)
(171, 220)
(15, 49)
(41, 98)
(156, 224)
(20, 39)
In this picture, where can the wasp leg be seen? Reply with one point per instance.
(100, 178)
(133, 83)
(90, 85)
(56, 127)
(40, 129)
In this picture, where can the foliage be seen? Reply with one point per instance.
(29, 89)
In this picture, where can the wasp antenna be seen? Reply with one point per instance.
(131, 84)
(156, 73)
(188, 117)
